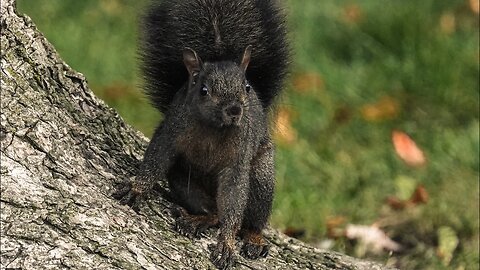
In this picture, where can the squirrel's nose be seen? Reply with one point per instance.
(233, 111)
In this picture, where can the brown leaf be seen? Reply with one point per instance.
(284, 132)
(111, 7)
(352, 13)
(447, 23)
(420, 195)
(307, 82)
(384, 109)
(335, 226)
(395, 203)
(474, 6)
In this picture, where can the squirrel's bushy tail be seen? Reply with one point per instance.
(218, 30)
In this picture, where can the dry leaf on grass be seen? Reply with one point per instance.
(384, 109)
(306, 82)
(352, 13)
(335, 226)
(407, 149)
(284, 131)
(475, 6)
(419, 196)
(447, 23)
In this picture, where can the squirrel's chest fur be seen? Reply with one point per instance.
(210, 149)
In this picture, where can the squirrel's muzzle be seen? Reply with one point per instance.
(232, 114)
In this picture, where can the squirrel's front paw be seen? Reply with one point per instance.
(127, 195)
(223, 256)
(253, 250)
(254, 245)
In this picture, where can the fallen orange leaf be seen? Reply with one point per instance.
(306, 82)
(447, 23)
(352, 13)
(384, 109)
(335, 226)
(475, 6)
(407, 149)
(284, 132)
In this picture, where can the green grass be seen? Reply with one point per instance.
(340, 163)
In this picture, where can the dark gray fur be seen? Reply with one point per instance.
(214, 146)
(218, 30)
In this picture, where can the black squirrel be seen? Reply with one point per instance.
(214, 68)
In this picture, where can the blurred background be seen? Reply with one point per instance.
(377, 132)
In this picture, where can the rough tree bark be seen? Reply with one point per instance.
(62, 151)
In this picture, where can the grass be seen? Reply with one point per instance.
(360, 70)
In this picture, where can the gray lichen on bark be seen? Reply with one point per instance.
(63, 150)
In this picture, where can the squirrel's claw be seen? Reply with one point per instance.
(223, 256)
(127, 195)
(186, 228)
(253, 251)
(192, 226)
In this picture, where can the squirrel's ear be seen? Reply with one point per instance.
(246, 58)
(192, 62)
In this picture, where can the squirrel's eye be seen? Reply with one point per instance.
(248, 87)
(204, 90)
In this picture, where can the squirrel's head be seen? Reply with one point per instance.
(219, 92)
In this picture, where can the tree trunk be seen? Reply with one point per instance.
(62, 152)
